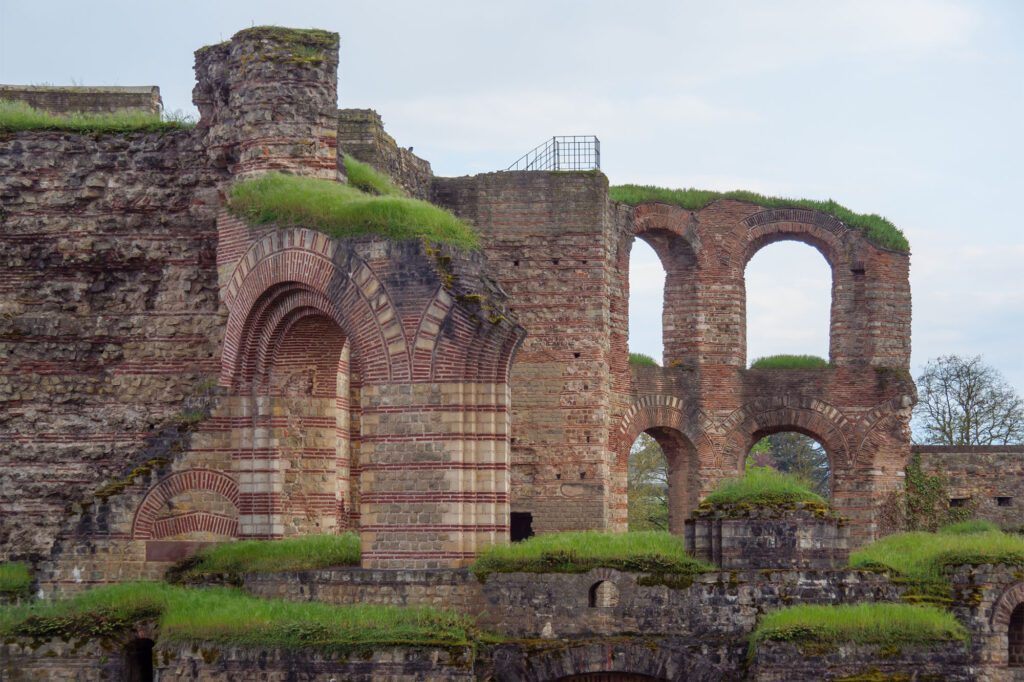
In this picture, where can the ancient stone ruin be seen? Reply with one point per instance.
(177, 375)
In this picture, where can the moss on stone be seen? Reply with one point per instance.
(119, 486)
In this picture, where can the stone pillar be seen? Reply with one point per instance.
(268, 100)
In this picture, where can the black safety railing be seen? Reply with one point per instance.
(562, 153)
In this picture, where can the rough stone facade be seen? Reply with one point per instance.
(988, 480)
(361, 134)
(92, 100)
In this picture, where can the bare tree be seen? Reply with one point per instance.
(963, 401)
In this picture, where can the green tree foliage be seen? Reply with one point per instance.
(797, 454)
(963, 401)
(647, 485)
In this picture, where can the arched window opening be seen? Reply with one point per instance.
(604, 595)
(797, 454)
(646, 293)
(789, 302)
(1016, 637)
(648, 485)
(138, 661)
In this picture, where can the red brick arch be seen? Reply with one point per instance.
(144, 526)
(825, 233)
(809, 416)
(665, 411)
(295, 268)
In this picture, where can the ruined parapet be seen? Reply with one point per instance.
(67, 99)
(268, 100)
(361, 133)
(740, 536)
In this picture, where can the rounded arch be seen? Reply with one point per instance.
(145, 524)
(1005, 605)
(825, 233)
(296, 267)
(811, 417)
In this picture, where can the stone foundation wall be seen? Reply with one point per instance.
(787, 662)
(989, 480)
(450, 589)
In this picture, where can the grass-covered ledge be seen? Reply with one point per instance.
(875, 228)
(231, 560)
(921, 558)
(878, 623)
(763, 487)
(18, 116)
(15, 579)
(365, 177)
(227, 616)
(340, 210)
(790, 362)
(653, 552)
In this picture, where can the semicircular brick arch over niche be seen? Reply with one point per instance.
(150, 522)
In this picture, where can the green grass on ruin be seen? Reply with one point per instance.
(15, 579)
(921, 558)
(763, 487)
(878, 623)
(876, 229)
(341, 210)
(654, 552)
(642, 360)
(231, 560)
(790, 362)
(229, 617)
(365, 177)
(18, 116)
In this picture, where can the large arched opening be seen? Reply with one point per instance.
(646, 296)
(789, 301)
(796, 453)
(663, 487)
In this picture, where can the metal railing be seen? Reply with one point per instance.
(562, 153)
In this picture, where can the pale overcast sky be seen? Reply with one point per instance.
(908, 108)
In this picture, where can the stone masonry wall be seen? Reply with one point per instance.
(787, 662)
(109, 316)
(987, 479)
(96, 100)
(549, 241)
(361, 134)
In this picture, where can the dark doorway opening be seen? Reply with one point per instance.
(138, 661)
(521, 526)
(1016, 637)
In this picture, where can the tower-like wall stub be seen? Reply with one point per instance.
(551, 244)
(267, 100)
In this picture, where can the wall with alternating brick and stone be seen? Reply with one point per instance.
(65, 99)
(361, 133)
(987, 479)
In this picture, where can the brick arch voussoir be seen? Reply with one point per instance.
(196, 522)
(664, 411)
(1002, 610)
(812, 417)
(826, 233)
(175, 484)
(650, 219)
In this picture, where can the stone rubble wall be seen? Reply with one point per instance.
(65, 99)
(361, 133)
(109, 315)
(788, 662)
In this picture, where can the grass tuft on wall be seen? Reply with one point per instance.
(341, 211)
(370, 180)
(790, 362)
(18, 116)
(876, 229)
(231, 560)
(642, 360)
(15, 579)
(876, 623)
(656, 552)
(763, 486)
(228, 616)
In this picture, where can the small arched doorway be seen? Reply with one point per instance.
(138, 660)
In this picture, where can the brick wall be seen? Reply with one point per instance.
(550, 242)
(94, 100)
